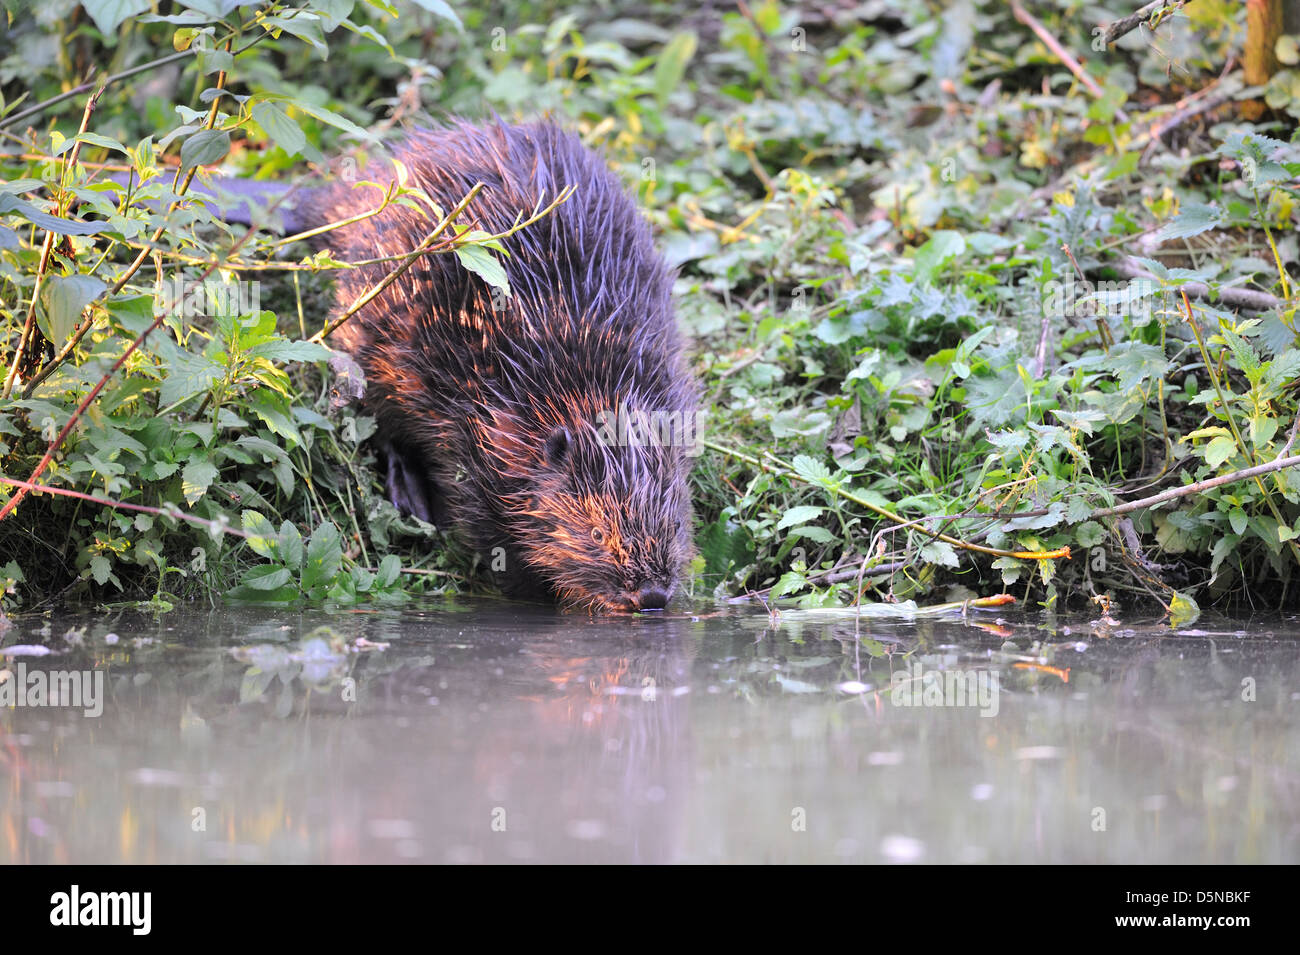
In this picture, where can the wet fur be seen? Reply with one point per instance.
(489, 418)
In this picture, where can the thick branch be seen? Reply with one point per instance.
(1196, 487)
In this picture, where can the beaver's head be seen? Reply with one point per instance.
(604, 517)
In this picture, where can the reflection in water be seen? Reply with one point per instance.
(485, 733)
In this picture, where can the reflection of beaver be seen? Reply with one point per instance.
(492, 417)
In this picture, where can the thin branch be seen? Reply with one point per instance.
(13, 502)
(1277, 464)
(61, 206)
(118, 77)
(776, 466)
(426, 246)
(1061, 53)
(1237, 297)
(1155, 10)
(221, 527)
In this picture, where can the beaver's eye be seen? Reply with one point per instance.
(557, 447)
(598, 535)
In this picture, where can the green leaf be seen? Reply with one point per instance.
(1089, 534)
(12, 205)
(390, 568)
(1104, 107)
(333, 12)
(265, 577)
(133, 312)
(204, 148)
(941, 553)
(261, 534)
(1192, 219)
(286, 133)
(305, 26)
(100, 568)
(671, 66)
(790, 582)
(324, 556)
(441, 9)
(95, 139)
(943, 246)
(273, 409)
(818, 535)
(482, 263)
(290, 351)
(214, 61)
(798, 515)
(196, 478)
(1247, 360)
(109, 14)
(291, 549)
(332, 118)
(188, 375)
(812, 470)
(65, 297)
(724, 548)
(1219, 450)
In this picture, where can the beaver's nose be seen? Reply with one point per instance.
(651, 598)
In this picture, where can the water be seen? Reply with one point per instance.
(486, 732)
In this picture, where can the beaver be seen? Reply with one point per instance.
(492, 412)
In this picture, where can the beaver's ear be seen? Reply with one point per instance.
(557, 447)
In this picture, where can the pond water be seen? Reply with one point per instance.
(491, 732)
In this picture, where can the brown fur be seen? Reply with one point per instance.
(490, 419)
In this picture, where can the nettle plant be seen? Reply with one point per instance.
(317, 570)
(143, 383)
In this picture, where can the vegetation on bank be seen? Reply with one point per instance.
(938, 283)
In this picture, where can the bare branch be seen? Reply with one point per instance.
(1155, 10)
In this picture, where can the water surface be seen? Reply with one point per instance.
(488, 732)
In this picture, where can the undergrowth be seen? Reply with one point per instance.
(934, 286)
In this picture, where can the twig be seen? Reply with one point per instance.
(47, 248)
(85, 87)
(1154, 10)
(1061, 53)
(1277, 464)
(89, 320)
(425, 246)
(839, 576)
(790, 474)
(118, 77)
(1203, 100)
(1239, 297)
(13, 502)
(223, 527)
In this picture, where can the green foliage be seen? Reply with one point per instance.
(315, 570)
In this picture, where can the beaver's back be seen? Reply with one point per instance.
(479, 396)
(591, 260)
